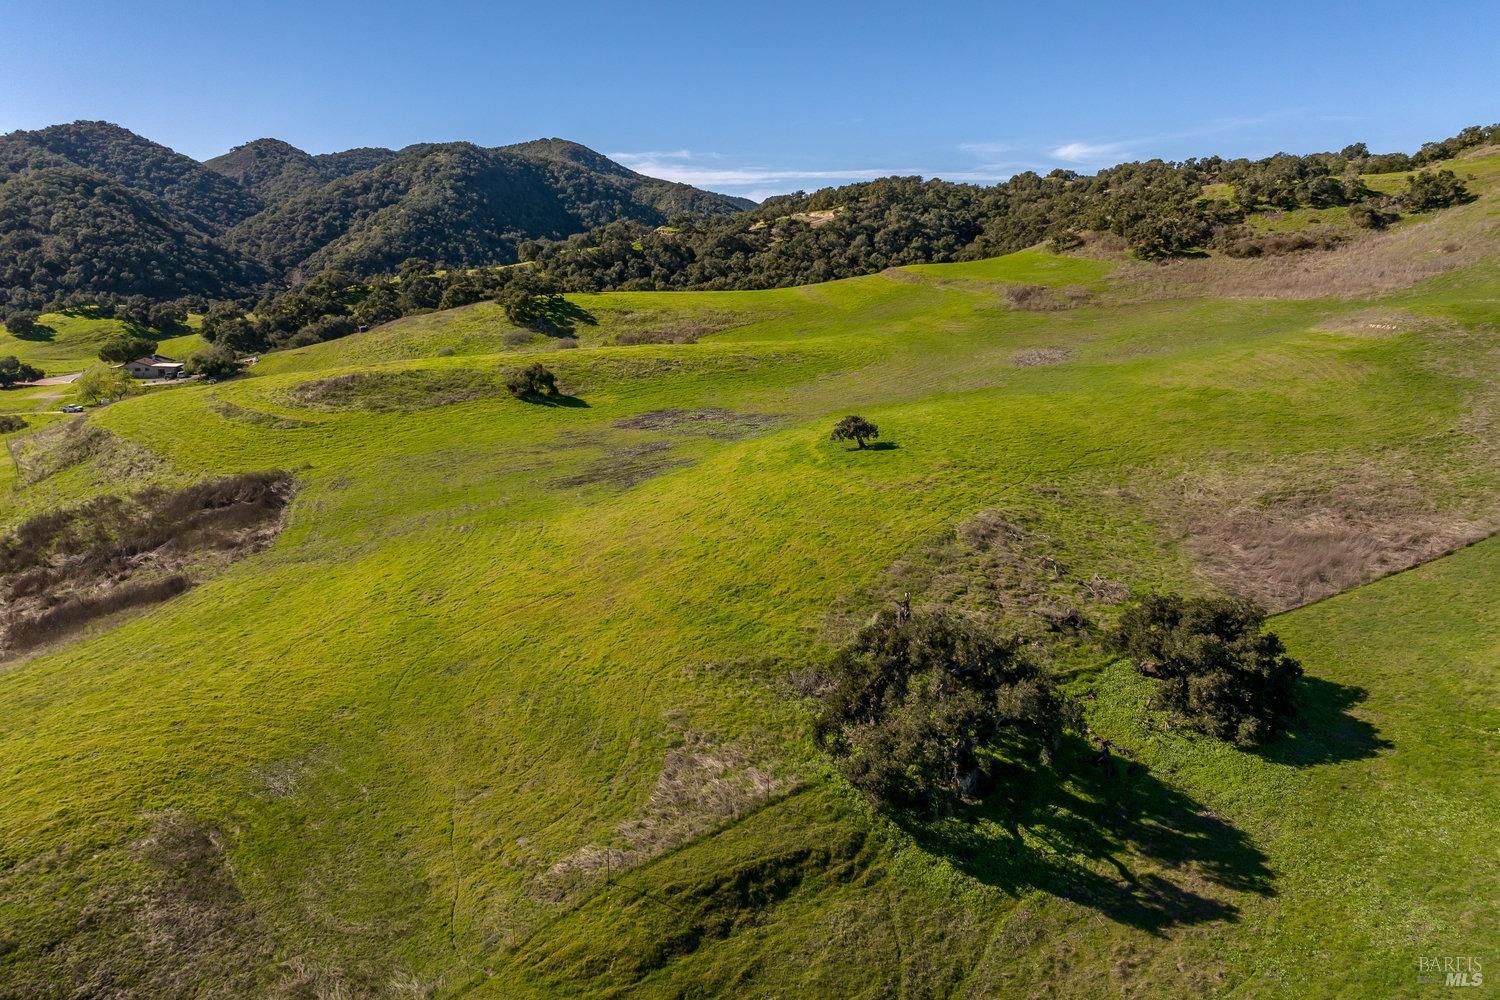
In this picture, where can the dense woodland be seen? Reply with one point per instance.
(91, 214)
(93, 208)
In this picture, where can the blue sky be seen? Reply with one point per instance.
(761, 98)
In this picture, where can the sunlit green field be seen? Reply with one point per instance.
(70, 341)
(509, 708)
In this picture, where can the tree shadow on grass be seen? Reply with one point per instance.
(561, 399)
(38, 333)
(557, 317)
(1323, 731)
(1089, 829)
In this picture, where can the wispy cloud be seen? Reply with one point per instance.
(714, 171)
(1088, 152)
(1100, 153)
(985, 148)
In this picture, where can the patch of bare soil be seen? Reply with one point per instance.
(1039, 356)
(1286, 539)
(1041, 298)
(710, 422)
(57, 449)
(703, 784)
(64, 568)
(1368, 264)
(625, 467)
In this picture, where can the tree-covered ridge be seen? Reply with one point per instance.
(136, 218)
(455, 202)
(1157, 208)
(199, 196)
(67, 232)
(591, 224)
(276, 171)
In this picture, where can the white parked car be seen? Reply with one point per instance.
(72, 408)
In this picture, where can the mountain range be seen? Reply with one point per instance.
(90, 207)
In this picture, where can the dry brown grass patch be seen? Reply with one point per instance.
(396, 391)
(703, 784)
(57, 449)
(625, 467)
(1039, 356)
(710, 422)
(64, 568)
(1382, 323)
(1367, 264)
(1041, 298)
(1262, 535)
(1004, 566)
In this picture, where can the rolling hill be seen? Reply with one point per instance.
(516, 702)
(198, 196)
(460, 203)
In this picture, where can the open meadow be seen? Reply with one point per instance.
(512, 707)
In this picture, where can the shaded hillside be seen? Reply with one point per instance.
(65, 230)
(457, 202)
(198, 195)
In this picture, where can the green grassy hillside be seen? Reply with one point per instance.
(509, 708)
(66, 342)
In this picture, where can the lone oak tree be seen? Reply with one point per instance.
(856, 429)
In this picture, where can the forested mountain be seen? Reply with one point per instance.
(460, 203)
(276, 171)
(66, 231)
(669, 197)
(199, 196)
(93, 208)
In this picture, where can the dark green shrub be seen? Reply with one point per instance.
(13, 370)
(1219, 673)
(913, 703)
(123, 347)
(217, 362)
(1371, 214)
(1063, 241)
(21, 323)
(532, 382)
(1432, 189)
